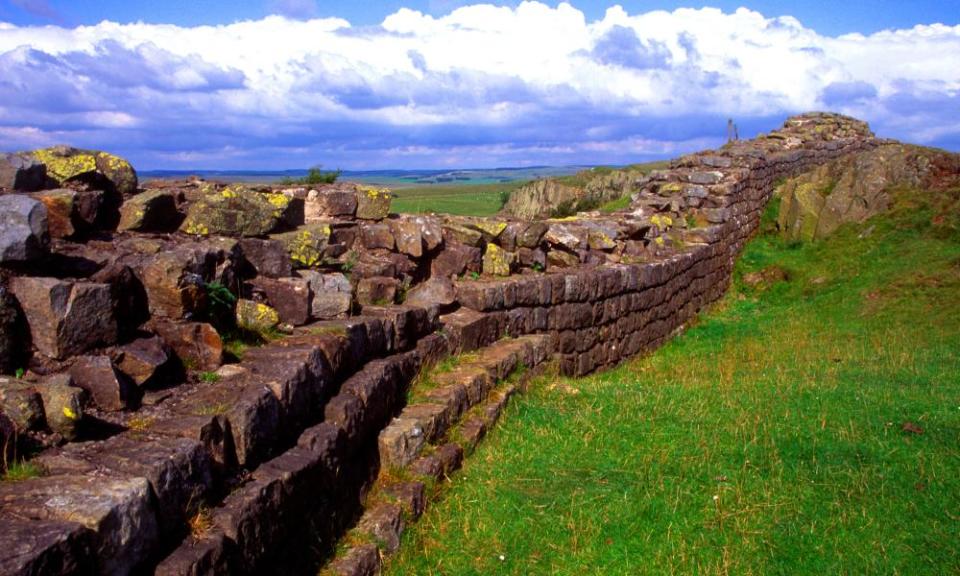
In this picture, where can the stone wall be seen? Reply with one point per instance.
(159, 452)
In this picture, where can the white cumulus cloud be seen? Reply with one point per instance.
(483, 84)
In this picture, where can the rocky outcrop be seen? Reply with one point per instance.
(853, 189)
(585, 191)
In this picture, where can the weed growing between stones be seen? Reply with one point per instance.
(19, 471)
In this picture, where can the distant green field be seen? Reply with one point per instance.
(462, 200)
(805, 426)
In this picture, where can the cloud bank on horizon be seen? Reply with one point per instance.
(481, 86)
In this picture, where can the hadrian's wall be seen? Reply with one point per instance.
(158, 452)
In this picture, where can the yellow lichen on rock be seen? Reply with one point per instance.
(63, 166)
(492, 227)
(497, 261)
(256, 317)
(306, 245)
(661, 221)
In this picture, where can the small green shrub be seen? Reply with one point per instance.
(315, 175)
(209, 377)
(220, 305)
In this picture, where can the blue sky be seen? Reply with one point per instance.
(448, 83)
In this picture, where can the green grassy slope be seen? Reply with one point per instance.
(459, 199)
(810, 426)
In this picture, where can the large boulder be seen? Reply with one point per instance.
(239, 211)
(66, 165)
(91, 170)
(66, 318)
(23, 229)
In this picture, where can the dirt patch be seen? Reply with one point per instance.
(766, 278)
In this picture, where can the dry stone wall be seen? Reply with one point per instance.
(161, 449)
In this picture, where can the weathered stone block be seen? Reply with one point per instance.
(377, 291)
(60, 210)
(150, 211)
(384, 522)
(119, 513)
(401, 442)
(22, 404)
(438, 291)
(307, 244)
(290, 297)
(373, 203)
(24, 236)
(268, 258)
(377, 236)
(411, 496)
(455, 259)
(110, 389)
(197, 344)
(497, 261)
(407, 234)
(256, 316)
(331, 294)
(361, 560)
(212, 553)
(298, 376)
(146, 361)
(63, 405)
(334, 201)
(39, 547)
(21, 171)
(239, 211)
(66, 318)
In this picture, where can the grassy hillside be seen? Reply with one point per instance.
(805, 426)
(462, 199)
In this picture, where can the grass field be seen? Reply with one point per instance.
(459, 199)
(811, 426)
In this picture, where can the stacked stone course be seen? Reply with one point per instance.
(162, 454)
